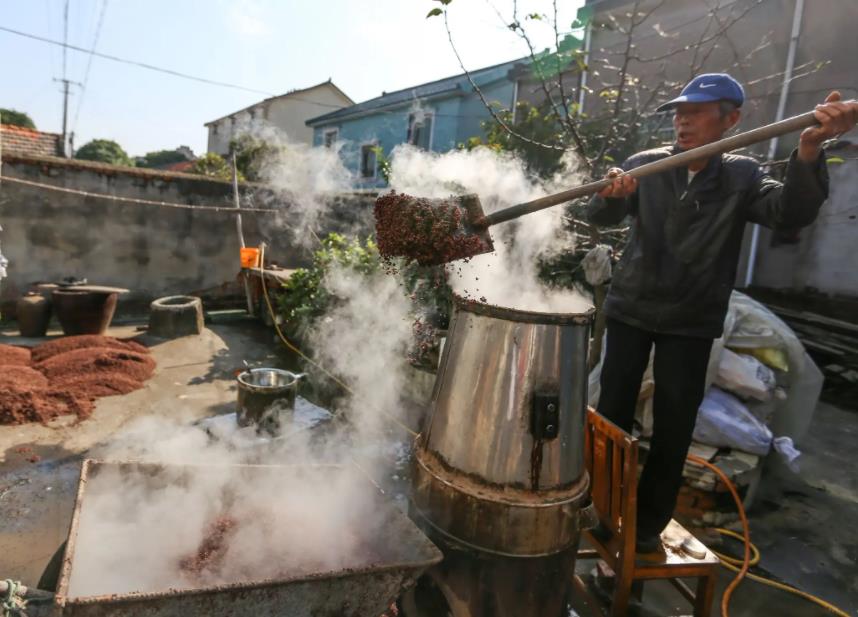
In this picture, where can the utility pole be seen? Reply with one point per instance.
(66, 83)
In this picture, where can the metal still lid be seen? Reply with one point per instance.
(584, 318)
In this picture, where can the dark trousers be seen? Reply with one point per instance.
(679, 371)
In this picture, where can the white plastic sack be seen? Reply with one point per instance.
(597, 264)
(755, 327)
(795, 414)
(745, 376)
(723, 421)
(785, 447)
(750, 325)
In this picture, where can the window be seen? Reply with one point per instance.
(214, 128)
(368, 160)
(420, 130)
(329, 137)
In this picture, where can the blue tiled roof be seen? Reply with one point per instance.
(450, 85)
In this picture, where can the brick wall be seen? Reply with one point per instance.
(19, 140)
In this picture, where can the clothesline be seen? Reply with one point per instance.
(229, 209)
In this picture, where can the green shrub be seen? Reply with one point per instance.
(213, 165)
(303, 298)
(104, 151)
(16, 118)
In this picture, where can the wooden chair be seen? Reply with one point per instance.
(611, 457)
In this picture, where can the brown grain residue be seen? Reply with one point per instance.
(98, 359)
(67, 376)
(14, 356)
(70, 343)
(21, 378)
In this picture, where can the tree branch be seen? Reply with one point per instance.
(703, 41)
(487, 105)
(564, 119)
(623, 76)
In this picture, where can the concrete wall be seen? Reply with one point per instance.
(825, 259)
(154, 251)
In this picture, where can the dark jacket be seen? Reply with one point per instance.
(678, 268)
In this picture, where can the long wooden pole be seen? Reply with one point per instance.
(742, 140)
(240, 229)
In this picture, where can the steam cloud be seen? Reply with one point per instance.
(133, 537)
(365, 339)
(302, 176)
(288, 523)
(508, 277)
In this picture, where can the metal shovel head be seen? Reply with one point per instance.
(474, 222)
(431, 232)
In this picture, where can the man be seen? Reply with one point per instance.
(672, 285)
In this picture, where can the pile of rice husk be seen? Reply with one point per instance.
(84, 341)
(14, 356)
(67, 375)
(21, 377)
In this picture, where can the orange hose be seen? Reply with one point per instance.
(746, 533)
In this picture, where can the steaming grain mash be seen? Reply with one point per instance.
(150, 528)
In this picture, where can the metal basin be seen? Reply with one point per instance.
(396, 551)
(265, 395)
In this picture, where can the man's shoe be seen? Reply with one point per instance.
(649, 544)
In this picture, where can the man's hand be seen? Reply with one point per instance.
(622, 186)
(836, 117)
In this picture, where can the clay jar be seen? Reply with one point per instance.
(34, 314)
(83, 312)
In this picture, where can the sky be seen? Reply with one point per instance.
(273, 46)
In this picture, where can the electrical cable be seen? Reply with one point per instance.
(205, 80)
(746, 534)
(228, 209)
(89, 62)
(144, 65)
(65, 35)
(755, 552)
(741, 566)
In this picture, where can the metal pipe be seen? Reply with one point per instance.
(773, 144)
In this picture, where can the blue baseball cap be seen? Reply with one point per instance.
(708, 88)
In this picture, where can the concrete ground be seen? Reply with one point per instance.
(804, 525)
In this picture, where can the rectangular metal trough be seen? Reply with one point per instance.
(398, 554)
